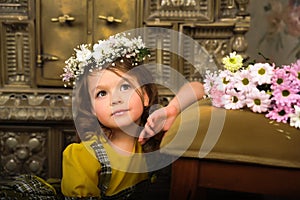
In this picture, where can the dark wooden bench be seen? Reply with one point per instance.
(235, 150)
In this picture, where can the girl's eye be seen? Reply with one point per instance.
(125, 86)
(101, 93)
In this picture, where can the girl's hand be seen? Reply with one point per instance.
(159, 120)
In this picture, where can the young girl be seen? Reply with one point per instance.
(112, 98)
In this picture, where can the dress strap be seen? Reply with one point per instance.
(134, 192)
(105, 173)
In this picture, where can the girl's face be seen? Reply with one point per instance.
(118, 101)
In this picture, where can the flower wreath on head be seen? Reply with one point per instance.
(103, 52)
(261, 87)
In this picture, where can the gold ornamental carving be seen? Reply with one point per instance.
(15, 9)
(23, 152)
(202, 10)
(35, 106)
(17, 53)
(218, 25)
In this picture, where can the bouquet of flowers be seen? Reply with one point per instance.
(261, 87)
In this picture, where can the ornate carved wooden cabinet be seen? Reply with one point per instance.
(36, 37)
(218, 25)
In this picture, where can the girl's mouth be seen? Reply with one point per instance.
(119, 112)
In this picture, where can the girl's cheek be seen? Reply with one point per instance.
(100, 105)
(127, 96)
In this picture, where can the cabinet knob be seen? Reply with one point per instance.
(110, 19)
(63, 19)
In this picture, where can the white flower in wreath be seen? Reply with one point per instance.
(83, 53)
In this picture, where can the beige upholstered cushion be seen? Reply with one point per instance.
(234, 135)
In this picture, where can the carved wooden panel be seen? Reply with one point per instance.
(202, 10)
(24, 151)
(160, 43)
(34, 149)
(196, 60)
(31, 106)
(61, 135)
(19, 9)
(226, 9)
(215, 38)
(219, 27)
(17, 54)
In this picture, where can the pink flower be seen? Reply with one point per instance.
(68, 73)
(262, 87)
(285, 95)
(258, 101)
(280, 77)
(217, 97)
(279, 113)
(295, 74)
(209, 81)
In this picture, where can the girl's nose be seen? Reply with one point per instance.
(116, 99)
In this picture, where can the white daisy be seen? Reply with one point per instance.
(244, 81)
(295, 117)
(261, 72)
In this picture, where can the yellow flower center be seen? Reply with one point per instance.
(279, 81)
(245, 81)
(232, 60)
(234, 99)
(225, 81)
(285, 93)
(281, 113)
(257, 101)
(261, 71)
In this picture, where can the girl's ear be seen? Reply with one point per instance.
(146, 98)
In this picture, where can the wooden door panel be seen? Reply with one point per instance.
(113, 17)
(62, 28)
(64, 24)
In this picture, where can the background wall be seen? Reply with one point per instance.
(274, 30)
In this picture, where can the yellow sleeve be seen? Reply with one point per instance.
(80, 172)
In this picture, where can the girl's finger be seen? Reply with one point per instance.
(146, 133)
(149, 132)
(142, 140)
(150, 122)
